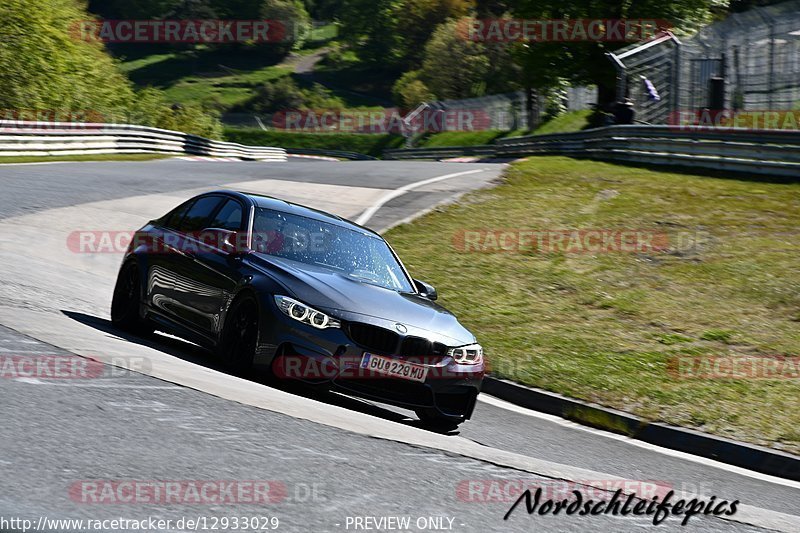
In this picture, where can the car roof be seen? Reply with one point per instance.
(276, 204)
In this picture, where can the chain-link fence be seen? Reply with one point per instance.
(648, 75)
(509, 111)
(494, 112)
(748, 62)
(504, 111)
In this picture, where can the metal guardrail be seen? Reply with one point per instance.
(735, 149)
(63, 138)
(340, 154)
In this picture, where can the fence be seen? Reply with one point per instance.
(765, 152)
(749, 61)
(62, 138)
(505, 111)
(508, 111)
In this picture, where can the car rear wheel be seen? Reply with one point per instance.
(240, 336)
(126, 301)
(433, 418)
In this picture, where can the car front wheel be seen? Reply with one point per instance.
(240, 336)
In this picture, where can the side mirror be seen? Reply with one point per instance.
(228, 241)
(426, 289)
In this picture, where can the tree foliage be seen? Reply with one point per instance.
(46, 68)
(395, 31)
(454, 67)
(409, 91)
(45, 65)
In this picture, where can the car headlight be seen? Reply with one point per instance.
(305, 314)
(471, 354)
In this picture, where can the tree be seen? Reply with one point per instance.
(292, 15)
(454, 67)
(394, 32)
(192, 10)
(45, 65)
(421, 18)
(132, 9)
(370, 28)
(409, 91)
(324, 9)
(46, 68)
(238, 9)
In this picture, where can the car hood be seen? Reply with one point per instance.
(330, 291)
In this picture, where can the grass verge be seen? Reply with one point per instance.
(566, 123)
(369, 144)
(604, 327)
(223, 77)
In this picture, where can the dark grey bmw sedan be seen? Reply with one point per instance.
(302, 294)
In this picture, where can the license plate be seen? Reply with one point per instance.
(393, 367)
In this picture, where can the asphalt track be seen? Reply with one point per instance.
(182, 418)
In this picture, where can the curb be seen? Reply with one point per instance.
(749, 456)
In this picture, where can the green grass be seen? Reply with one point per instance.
(461, 138)
(229, 90)
(145, 61)
(568, 122)
(228, 78)
(203, 75)
(322, 34)
(369, 144)
(342, 71)
(100, 157)
(602, 327)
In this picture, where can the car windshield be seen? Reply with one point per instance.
(358, 255)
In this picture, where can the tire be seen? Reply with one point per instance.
(434, 419)
(240, 335)
(126, 301)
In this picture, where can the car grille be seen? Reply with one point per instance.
(385, 341)
(419, 347)
(373, 338)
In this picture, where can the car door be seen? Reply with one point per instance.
(163, 236)
(177, 287)
(218, 270)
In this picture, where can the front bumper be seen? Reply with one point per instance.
(295, 351)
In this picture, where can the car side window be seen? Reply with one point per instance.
(172, 219)
(229, 217)
(195, 219)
